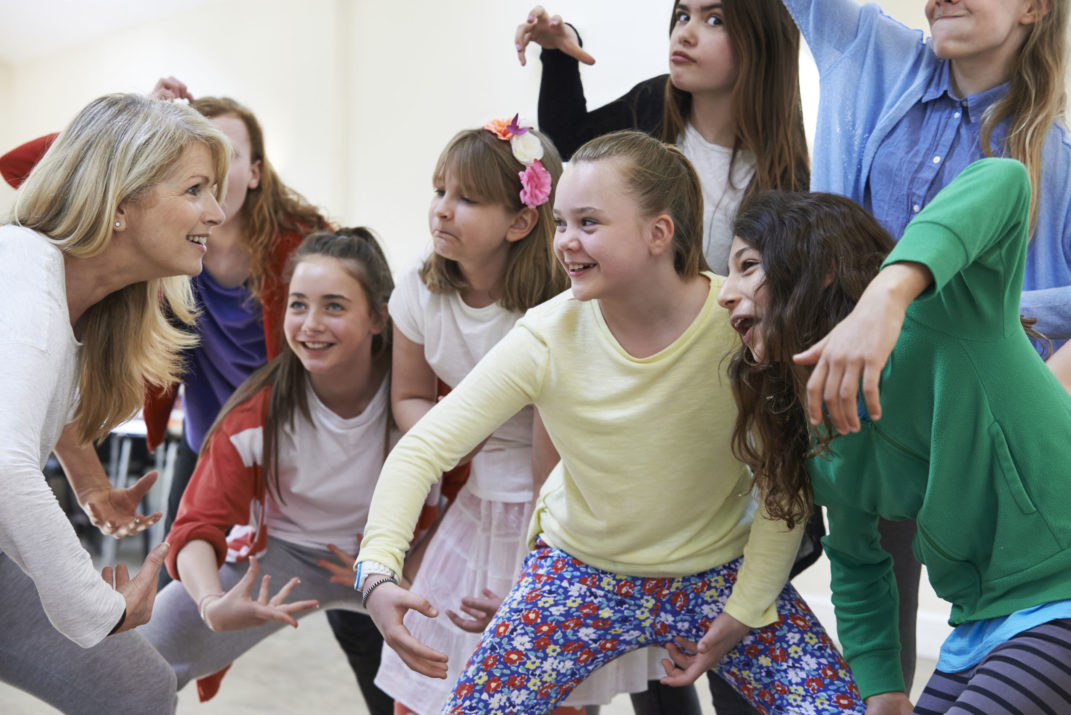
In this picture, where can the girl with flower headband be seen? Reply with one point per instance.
(491, 228)
(621, 373)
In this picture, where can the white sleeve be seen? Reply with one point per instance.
(34, 532)
(407, 309)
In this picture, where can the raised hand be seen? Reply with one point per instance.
(115, 511)
(549, 32)
(479, 610)
(138, 592)
(170, 88)
(237, 609)
(388, 605)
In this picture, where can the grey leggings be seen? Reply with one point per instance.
(121, 674)
(194, 651)
(1028, 673)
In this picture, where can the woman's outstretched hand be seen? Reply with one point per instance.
(138, 592)
(237, 609)
(388, 605)
(549, 32)
(859, 346)
(115, 511)
(689, 660)
(480, 611)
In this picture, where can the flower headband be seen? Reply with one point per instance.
(527, 149)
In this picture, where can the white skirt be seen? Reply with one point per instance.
(480, 544)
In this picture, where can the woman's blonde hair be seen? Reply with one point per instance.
(1036, 96)
(661, 180)
(486, 169)
(116, 149)
(269, 209)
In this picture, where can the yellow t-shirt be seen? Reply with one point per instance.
(646, 486)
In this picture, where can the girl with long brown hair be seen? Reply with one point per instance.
(731, 102)
(286, 474)
(901, 115)
(957, 426)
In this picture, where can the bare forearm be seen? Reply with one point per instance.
(197, 568)
(408, 411)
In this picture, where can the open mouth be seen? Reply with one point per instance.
(199, 240)
(578, 268)
(309, 345)
(744, 325)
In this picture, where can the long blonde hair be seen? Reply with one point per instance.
(1036, 96)
(116, 149)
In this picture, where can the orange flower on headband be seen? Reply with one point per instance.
(500, 128)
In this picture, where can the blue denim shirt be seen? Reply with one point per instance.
(926, 149)
(873, 72)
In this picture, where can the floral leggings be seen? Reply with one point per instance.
(564, 619)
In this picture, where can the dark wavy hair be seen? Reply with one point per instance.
(819, 252)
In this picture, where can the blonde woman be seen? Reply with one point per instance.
(123, 202)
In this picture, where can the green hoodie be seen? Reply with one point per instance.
(974, 443)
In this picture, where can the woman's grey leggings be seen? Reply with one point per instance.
(1028, 673)
(121, 674)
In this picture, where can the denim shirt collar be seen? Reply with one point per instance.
(974, 105)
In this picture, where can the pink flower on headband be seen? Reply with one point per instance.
(535, 185)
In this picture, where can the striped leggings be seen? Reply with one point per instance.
(1029, 673)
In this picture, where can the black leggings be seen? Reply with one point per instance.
(1028, 673)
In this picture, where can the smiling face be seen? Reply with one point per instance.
(700, 53)
(167, 227)
(601, 236)
(744, 295)
(329, 323)
(244, 173)
(988, 30)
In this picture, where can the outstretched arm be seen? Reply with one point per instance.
(979, 218)
(235, 609)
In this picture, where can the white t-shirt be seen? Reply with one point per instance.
(720, 199)
(39, 361)
(455, 336)
(328, 482)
